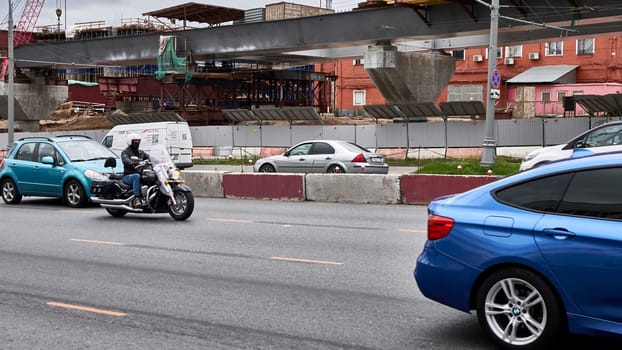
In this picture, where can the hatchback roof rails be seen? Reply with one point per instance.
(74, 135)
(35, 138)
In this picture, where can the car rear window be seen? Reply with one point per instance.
(543, 194)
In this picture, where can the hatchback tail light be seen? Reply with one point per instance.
(439, 227)
(360, 158)
(2, 164)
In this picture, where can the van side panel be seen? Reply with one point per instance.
(174, 136)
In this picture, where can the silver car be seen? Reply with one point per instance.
(324, 156)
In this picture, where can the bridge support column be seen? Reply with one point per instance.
(408, 77)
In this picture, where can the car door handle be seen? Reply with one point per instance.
(301, 159)
(328, 158)
(558, 232)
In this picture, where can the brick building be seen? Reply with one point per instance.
(566, 67)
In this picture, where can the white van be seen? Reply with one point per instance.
(175, 136)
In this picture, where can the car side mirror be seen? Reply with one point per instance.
(47, 160)
(110, 162)
(286, 154)
(580, 144)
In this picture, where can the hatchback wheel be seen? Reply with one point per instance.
(519, 310)
(74, 194)
(10, 194)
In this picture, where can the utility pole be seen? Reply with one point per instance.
(11, 93)
(489, 147)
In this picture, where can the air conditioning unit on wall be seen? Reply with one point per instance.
(508, 61)
(478, 58)
(534, 56)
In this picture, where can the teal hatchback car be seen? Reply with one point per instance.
(62, 166)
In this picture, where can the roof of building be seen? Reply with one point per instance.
(558, 74)
(195, 12)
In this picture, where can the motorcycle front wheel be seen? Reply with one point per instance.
(183, 207)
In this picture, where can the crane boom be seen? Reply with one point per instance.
(27, 21)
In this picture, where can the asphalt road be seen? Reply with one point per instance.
(239, 274)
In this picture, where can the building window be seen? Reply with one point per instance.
(561, 95)
(499, 51)
(554, 48)
(358, 62)
(585, 46)
(546, 96)
(358, 97)
(514, 51)
(458, 54)
(465, 93)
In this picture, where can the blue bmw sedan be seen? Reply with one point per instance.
(536, 255)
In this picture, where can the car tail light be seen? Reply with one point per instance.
(360, 158)
(439, 226)
(2, 164)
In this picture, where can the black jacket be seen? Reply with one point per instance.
(129, 165)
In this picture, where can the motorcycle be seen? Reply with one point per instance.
(162, 187)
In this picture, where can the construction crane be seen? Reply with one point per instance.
(27, 21)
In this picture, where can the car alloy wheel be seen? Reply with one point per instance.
(267, 168)
(10, 194)
(75, 196)
(519, 309)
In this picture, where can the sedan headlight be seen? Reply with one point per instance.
(94, 175)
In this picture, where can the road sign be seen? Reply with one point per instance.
(495, 93)
(495, 79)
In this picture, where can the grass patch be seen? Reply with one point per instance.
(503, 166)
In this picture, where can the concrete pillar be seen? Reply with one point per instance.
(408, 77)
(33, 102)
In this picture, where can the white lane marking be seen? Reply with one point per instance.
(96, 242)
(308, 261)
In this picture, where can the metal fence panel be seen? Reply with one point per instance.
(465, 134)
(246, 136)
(557, 130)
(519, 132)
(391, 135)
(339, 132)
(275, 136)
(365, 135)
(423, 135)
(307, 132)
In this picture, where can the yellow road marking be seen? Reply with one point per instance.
(88, 309)
(96, 242)
(280, 258)
(231, 220)
(413, 231)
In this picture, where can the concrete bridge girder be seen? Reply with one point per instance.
(408, 77)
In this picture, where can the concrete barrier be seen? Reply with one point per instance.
(352, 188)
(356, 188)
(205, 183)
(422, 188)
(264, 186)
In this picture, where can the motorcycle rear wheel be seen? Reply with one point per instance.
(117, 213)
(183, 207)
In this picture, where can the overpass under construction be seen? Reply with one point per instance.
(251, 64)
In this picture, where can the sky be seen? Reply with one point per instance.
(113, 11)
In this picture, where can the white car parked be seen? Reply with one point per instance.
(603, 138)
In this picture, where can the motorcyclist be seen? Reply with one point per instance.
(132, 157)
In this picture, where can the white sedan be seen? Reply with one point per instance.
(603, 138)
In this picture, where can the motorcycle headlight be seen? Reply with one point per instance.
(175, 174)
(94, 175)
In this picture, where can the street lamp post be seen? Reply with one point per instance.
(11, 92)
(489, 147)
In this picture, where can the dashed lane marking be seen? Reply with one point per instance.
(87, 309)
(307, 261)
